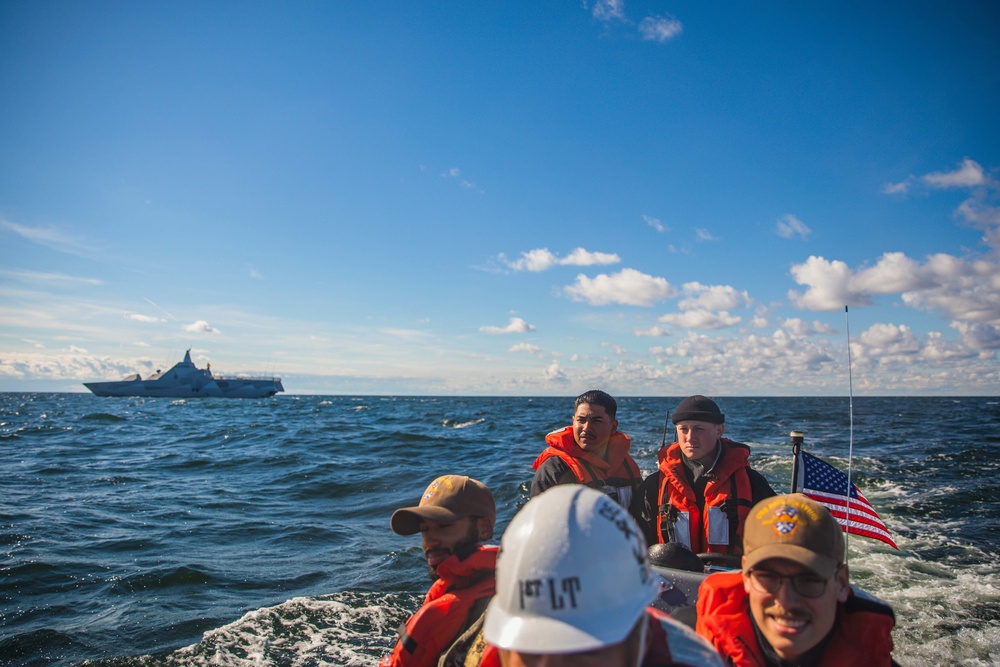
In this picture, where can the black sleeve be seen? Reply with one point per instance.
(759, 487)
(645, 506)
(553, 471)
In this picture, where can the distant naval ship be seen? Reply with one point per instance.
(185, 380)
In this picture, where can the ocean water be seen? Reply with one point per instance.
(256, 532)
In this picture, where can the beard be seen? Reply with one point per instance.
(465, 546)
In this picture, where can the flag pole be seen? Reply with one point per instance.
(850, 447)
(797, 438)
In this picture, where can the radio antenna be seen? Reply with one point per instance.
(850, 448)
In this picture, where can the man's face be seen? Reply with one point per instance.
(592, 427)
(791, 622)
(439, 540)
(698, 439)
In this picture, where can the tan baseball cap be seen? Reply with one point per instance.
(795, 528)
(448, 498)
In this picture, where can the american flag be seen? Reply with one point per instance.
(825, 484)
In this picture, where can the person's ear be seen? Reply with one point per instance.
(843, 581)
(484, 526)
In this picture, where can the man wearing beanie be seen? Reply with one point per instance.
(703, 488)
(792, 604)
(455, 514)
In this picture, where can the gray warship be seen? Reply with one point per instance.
(185, 380)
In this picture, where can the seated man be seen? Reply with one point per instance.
(574, 588)
(704, 488)
(591, 451)
(792, 603)
(455, 514)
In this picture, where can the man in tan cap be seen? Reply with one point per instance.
(792, 603)
(455, 514)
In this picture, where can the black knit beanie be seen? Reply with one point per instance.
(698, 408)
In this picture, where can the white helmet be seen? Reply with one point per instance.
(572, 575)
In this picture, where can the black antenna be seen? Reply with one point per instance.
(666, 423)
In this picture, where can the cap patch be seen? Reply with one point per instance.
(786, 521)
(433, 487)
(787, 515)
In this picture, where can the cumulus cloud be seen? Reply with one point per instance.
(555, 374)
(541, 259)
(701, 319)
(628, 287)
(516, 325)
(201, 326)
(713, 297)
(653, 332)
(704, 235)
(965, 290)
(799, 327)
(525, 347)
(789, 226)
(659, 28)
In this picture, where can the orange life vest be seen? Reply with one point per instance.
(446, 609)
(618, 471)
(718, 526)
(862, 635)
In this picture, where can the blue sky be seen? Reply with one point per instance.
(653, 198)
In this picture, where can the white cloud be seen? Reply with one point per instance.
(978, 335)
(701, 319)
(897, 188)
(608, 10)
(516, 325)
(704, 235)
(969, 174)
(965, 290)
(50, 237)
(628, 286)
(555, 374)
(655, 223)
(659, 28)
(789, 226)
(799, 327)
(456, 174)
(713, 297)
(48, 278)
(525, 347)
(541, 259)
(652, 332)
(138, 317)
(201, 326)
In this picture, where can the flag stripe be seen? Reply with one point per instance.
(825, 484)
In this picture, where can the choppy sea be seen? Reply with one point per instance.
(256, 532)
